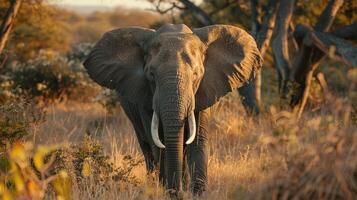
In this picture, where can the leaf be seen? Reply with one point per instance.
(86, 170)
(34, 189)
(39, 158)
(62, 186)
(18, 181)
(4, 192)
(18, 154)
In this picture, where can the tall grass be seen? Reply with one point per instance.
(272, 156)
(247, 156)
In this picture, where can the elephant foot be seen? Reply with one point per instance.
(174, 194)
(198, 188)
(152, 176)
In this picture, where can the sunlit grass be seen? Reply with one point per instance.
(248, 156)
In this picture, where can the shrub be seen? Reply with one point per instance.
(17, 117)
(50, 77)
(87, 162)
(319, 153)
(80, 52)
(46, 77)
(24, 173)
(108, 99)
(48, 171)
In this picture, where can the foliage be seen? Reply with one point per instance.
(43, 26)
(80, 52)
(53, 77)
(88, 163)
(36, 27)
(47, 77)
(53, 171)
(307, 12)
(108, 99)
(50, 77)
(24, 173)
(320, 156)
(17, 117)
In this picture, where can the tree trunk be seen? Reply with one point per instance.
(8, 22)
(263, 37)
(308, 57)
(255, 7)
(262, 31)
(280, 44)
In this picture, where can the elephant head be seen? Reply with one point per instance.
(174, 71)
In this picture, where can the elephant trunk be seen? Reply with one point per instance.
(175, 105)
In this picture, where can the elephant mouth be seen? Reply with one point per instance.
(155, 129)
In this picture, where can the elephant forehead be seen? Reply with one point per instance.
(174, 28)
(174, 41)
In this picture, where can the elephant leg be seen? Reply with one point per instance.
(197, 155)
(151, 165)
(134, 114)
(149, 158)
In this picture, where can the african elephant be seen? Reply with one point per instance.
(167, 80)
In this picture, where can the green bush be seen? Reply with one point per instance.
(50, 77)
(45, 77)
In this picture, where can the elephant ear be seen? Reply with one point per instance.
(117, 62)
(231, 60)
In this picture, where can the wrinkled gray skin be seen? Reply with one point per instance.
(173, 71)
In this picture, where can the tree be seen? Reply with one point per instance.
(8, 22)
(312, 44)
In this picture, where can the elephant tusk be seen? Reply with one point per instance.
(192, 125)
(155, 131)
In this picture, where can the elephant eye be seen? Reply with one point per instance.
(186, 58)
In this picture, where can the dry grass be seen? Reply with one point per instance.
(247, 157)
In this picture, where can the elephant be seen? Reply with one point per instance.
(168, 81)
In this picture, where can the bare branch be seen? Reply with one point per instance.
(255, 7)
(159, 9)
(348, 32)
(197, 12)
(200, 14)
(262, 33)
(222, 7)
(335, 47)
(328, 15)
(309, 56)
(266, 29)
